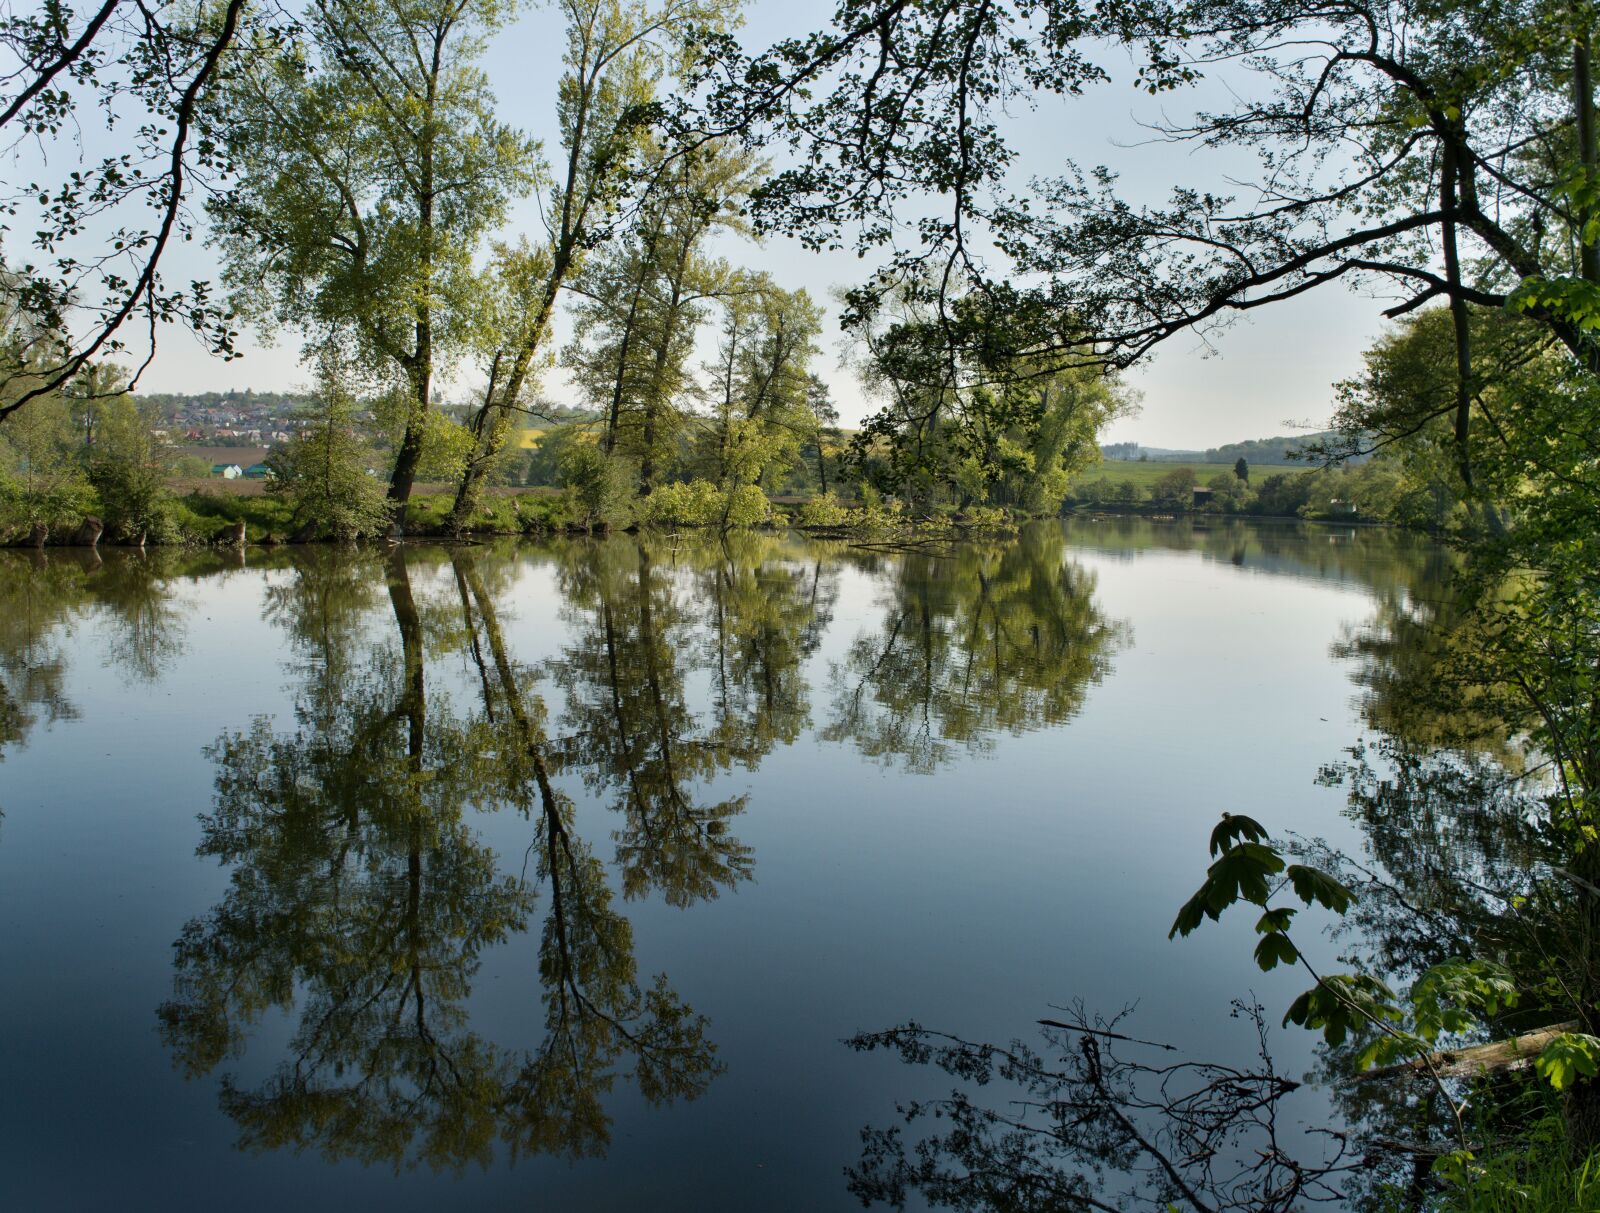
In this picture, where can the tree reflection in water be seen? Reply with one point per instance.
(44, 596)
(1450, 806)
(363, 901)
(976, 639)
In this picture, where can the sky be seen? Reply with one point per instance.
(1268, 374)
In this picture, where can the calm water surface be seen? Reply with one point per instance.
(552, 875)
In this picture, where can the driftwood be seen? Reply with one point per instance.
(1515, 1053)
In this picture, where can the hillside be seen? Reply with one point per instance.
(1280, 451)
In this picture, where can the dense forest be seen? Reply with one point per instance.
(349, 169)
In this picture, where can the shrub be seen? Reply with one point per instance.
(692, 503)
(987, 516)
(595, 484)
(323, 473)
(701, 503)
(824, 510)
(745, 505)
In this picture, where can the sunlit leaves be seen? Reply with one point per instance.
(1572, 299)
(1569, 1058)
(1343, 1003)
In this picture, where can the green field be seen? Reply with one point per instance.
(1144, 473)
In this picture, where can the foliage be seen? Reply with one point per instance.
(645, 296)
(129, 474)
(702, 503)
(616, 57)
(596, 483)
(988, 637)
(1538, 1174)
(990, 425)
(368, 174)
(362, 901)
(822, 511)
(42, 481)
(1175, 489)
(135, 76)
(325, 473)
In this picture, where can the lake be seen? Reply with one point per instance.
(554, 875)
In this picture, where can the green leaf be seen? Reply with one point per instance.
(1567, 1058)
(1242, 874)
(1343, 1002)
(1275, 920)
(1234, 826)
(1311, 885)
(1190, 916)
(1275, 949)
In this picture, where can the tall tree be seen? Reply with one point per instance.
(969, 412)
(1471, 181)
(617, 52)
(760, 384)
(370, 169)
(642, 302)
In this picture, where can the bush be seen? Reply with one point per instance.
(693, 503)
(323, 473)
(595, 483)
(133, 500)
(987, 516)
(701, 503)
(824, 510)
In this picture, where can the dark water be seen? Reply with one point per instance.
(552, 875)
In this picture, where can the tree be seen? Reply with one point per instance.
(760, 387)
(644, 299)
(968, 414)
(128, 472)
(616, 52)
(361, 904)
(1477, 151)
(324, 472)
(1175, 490)
(370, 168)
(994, 638)
(1241, 469)
(141, 75)
(824, 417)
(42, 480)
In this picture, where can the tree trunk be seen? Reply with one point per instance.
(404, 476)
(1583, 114)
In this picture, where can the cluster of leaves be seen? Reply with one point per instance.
(1450, 999)
(702, 503)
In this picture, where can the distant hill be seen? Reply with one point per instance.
(1258, 452)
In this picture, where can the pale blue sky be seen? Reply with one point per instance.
(1272, 369)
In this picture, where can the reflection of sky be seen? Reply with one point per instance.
(971, 899)
(1274, 368)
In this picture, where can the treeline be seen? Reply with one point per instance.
(1379, 490)
(1294, 448)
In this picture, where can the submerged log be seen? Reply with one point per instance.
(1515, 1053)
